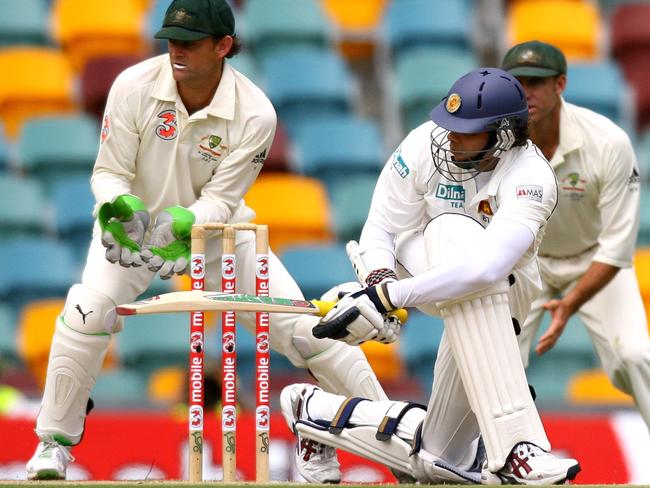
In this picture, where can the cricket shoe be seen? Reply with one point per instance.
(316, 462)
(49, 462)
(528, 464)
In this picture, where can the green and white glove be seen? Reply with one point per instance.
(123, 223)
(168, 250)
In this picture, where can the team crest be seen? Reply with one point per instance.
(453, 103)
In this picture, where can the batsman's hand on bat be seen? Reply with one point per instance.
(123, 222)
(361, 316)
(168, 249)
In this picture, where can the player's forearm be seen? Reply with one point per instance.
(597, 276)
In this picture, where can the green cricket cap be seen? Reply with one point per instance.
(192, 20)
(535, 59)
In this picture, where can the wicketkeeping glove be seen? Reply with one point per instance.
(168, 250)
(123, 223)
(361, 316)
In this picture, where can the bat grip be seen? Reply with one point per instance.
(325, 307)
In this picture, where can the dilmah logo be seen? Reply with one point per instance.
(83, 315)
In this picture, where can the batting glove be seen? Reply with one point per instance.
(168, 250)
(123, 223)
(361, 316)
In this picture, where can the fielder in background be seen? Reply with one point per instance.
(183, 138)
(458, 214)
(587, 253)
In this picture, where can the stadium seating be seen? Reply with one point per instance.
(551, 373)
(277, 160)
(8, 350)
(356, 25)
(96, 79)
(602, 88)
(39, 82)
(350, 200)
(336, 148)
(271, 27)
(120, 388)
(23, 207)
(5, 151)
(35, 268)
(307, 84)
(317, 268)
(642, 267)
(67, 146)
(572, 25)
(149, 342)
(643, 238)
(296, 209)
(592, 388)
(246, 64)
(73, 202)
(411, 24)
(23, 22)
(630, 42)
(419, 341)
(86, 30)
(423, 77)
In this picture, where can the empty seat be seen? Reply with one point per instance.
(423, 78)
(642, 268)
(419, 341)
(571, 25)
(602, 88)
(67, 146)
(630, 42)
(35, 268)
(73, 203)
(643, 238)
(149, 342)
(410, 24)
(8, 349)
(295, 208)
(23, 207)
(97, 78)
(120, 388)
(24, 22)
(87, 30)
(592, 387)
(350, 200)
(246, 64)
(306, 84)
(336, 148)
(39, 82)
(317, 268)
(356, 25)
(277, 160)
(5, 151)
(274, 26)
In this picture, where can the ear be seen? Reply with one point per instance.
(223, 46)
(560, 84)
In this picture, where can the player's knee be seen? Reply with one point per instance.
(90, 312)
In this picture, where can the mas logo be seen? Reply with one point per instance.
(530, 192)
(168, 128)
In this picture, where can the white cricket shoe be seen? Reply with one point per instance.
(49, 462)
(528, 464)
(316, 462)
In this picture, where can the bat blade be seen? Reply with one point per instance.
(201, 301)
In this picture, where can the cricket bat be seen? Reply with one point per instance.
(204, 301)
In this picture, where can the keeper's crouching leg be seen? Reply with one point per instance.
(81, 338)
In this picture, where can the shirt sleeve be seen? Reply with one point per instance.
(618, 204)
(489, 259)
(114, 168)
(235, 175)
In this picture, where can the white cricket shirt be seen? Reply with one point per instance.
(151, 148)
(598, 183)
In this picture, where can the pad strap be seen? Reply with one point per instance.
(344, 413)
(389, 424)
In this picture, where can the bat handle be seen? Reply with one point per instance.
(325, 307)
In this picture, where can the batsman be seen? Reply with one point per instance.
(184, 136)
(457, 215)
